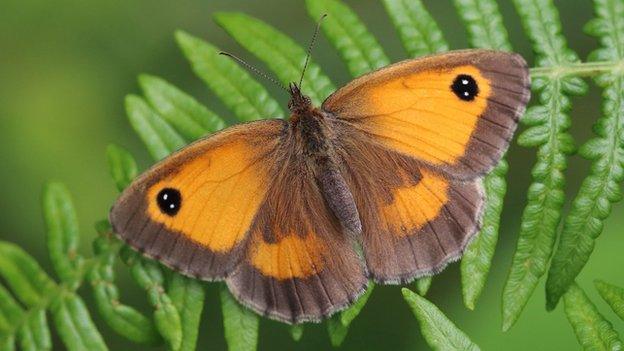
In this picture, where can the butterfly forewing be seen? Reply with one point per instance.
(454, 112)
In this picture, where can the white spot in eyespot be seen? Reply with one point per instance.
(466, 93)
(465, 81)
(172, 206)
(165, 196)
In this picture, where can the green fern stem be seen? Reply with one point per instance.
(578, 69)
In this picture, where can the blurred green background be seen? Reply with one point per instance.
(66, 65)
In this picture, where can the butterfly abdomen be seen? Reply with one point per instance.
(317, 138)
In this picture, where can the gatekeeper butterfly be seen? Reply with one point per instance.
(382, 182)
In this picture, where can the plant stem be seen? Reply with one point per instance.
(581, 69)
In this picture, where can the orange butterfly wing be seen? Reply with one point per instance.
(414, 140)
(246, 209)
(222, 182)
(418, 108)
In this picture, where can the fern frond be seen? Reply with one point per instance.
(282, 55)
(601, 188)
(613, 295)
(356, 45)
(62, 231)
(338, 325)
(188, 297)
(157, 135)
(423, 285)
(122, 166)
(592, 330)
(548, 130)
(123, 319)
(39, 293)
(185, 114)
(439, 332)
(484, 24)
(243, 96)
(149, 276)
(240, 324)
(418, 31)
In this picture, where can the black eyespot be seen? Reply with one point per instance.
(169, 201)
(465, 87)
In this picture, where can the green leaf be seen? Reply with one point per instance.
(245, 97)
(346, 32)
(34, 334)
(280, 53)
(23, 274)
(157, 135)
(592, 330)
(124, 320)
(338, 326)
(122, 166)
(601, 188)
(613, 295)
(74, 325)
(188, 297)
(484, 24)
(296, 332)
(149, 276)
(240, 324)
(185, 114)
(32, 328)
(62, 231)
(418, 31)
(477, 259)
(542, 214)
(439, 332)
(10, 311)
(423, 285)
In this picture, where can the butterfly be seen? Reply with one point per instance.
(382, 182)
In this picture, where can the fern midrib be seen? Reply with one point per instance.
(549, 38)
(485, 24)
(578, 69)
(423, 27)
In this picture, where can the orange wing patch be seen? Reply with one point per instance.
(221, 191)
(420, 116)
(416, 205)
(454, 112)
(291, 257)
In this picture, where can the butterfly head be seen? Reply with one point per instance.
(298, 103)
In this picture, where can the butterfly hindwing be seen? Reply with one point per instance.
(414, 220)
(215, 186)
(454, 112)
(300, 265)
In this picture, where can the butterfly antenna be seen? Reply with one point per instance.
(254, 69)
(307, 60)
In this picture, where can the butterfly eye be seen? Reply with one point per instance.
(465, 87)
(169, 201)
